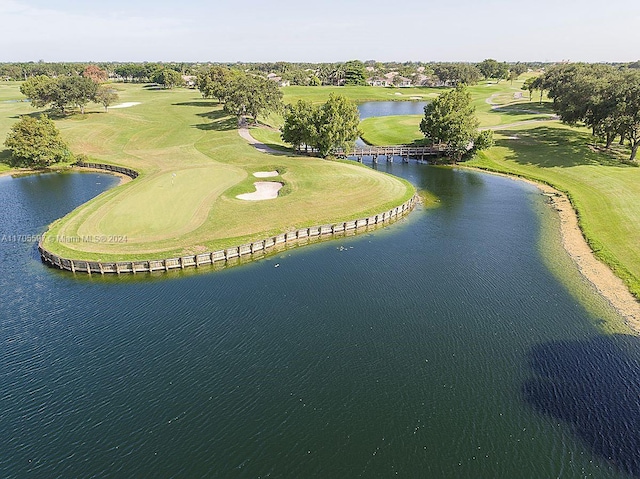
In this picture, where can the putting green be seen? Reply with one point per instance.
(147, 211)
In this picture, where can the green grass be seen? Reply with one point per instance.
(604, 190)
(392, 130)
(270, 137)
(10, 91)
(174, 136)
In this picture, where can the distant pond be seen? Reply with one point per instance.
(390, 108)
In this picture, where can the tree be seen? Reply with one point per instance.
(95, 73)
(167, 77)
(39, 89)
(60, 93)
(456, 73)
(450, 119)
(36, 143)
(587, 94)
(252, 96)
(528, 85)
(629, 110)
(600, 96)
(299, 124)
(518, 69)
(76, 91)
(328, 128)
(336, 123)
(483, 141)
(106, 96)
(354, 73)
(214, 83)
(491, 68)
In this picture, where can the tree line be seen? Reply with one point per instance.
(602, 97)
(60, 93)
(352, 72)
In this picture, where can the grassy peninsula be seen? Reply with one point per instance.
(192, 164)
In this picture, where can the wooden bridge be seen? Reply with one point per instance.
(403, 151)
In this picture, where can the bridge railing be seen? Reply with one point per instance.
(398, 150)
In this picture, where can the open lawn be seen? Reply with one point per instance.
(270, 137)
(604, 190)
(392, 130)
(193, 163)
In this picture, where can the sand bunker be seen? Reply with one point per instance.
(265, 190)
(265, 174)
(126, 104)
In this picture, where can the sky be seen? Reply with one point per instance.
(319, 30)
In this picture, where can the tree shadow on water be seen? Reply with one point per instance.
(594, 385)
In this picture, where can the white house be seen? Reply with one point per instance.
(378, 81)
(402, 82)
(189, 80)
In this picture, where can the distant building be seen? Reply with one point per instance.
(378, 81)
(275, 78)
(189, 80)
(402, 82)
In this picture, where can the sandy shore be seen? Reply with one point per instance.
(596, 272)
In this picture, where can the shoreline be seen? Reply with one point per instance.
(26, 172)
(610, 286)
(224, 255)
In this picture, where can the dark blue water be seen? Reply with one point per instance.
(389, 108)
(438, 347)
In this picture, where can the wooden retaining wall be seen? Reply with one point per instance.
(262, 246)
(101, 166)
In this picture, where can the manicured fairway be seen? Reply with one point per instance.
(175, 132)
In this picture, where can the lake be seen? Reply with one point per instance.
(389, 108)
(441, 346)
